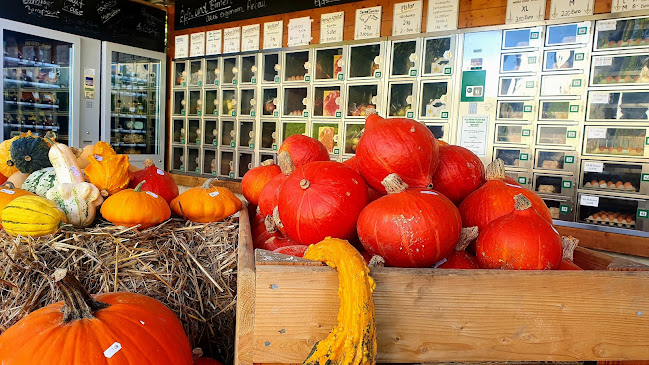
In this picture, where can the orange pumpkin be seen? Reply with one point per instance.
(131, 207)
(7, 167)
(114, 328)
(103, 149)
(207, 203)
(109, 174)
(8, 193)
(255, 180)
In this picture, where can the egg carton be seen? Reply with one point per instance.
(603, 222)
(622, 188)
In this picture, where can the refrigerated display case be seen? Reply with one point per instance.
(615, 177)
(618, 212)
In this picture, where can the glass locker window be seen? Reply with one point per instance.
(611, 176)
(289, 129)
(213, 72)
(327, 133)
(404, 58)
(249, 69)
(326, 101)
(196, 73)
(438, 56)
(329, 64)
(434, 99)
(270, 100)
(271, 67)
(211, 132)
(246, 135)
(295, 100)
(361, 100)
(268, 135)
(364, 60)
(209, 162)
(401, 100)
(297, 64)
(353, 133)
(623, 33)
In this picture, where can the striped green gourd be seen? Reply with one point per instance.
(41, 181)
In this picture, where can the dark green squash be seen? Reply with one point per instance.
(30, 154)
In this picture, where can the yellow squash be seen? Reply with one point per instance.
(32, 215)
(353, 340)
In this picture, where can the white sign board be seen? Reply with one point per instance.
(571, 8)
(589, 201)
(407, 18)
(331, 27)
(232, 40)
(619, 6)
(590, 166)
(525, 11)
(474, 134)
(213, 42)
(250, 37)
(197, 45)
(442, 15)
(368, 23)
(273, 32)
(182, 46)
(299, 31)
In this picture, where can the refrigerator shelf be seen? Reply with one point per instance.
(136, 116)
(37, 85)
(52, 127)
(34, 105)
(131, 131)
(23, 62)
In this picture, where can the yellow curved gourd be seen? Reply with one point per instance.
(353, 340)
(32, 215)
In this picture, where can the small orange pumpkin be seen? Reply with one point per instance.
(207, 203)
(131, 207)
(254, 180)
(108, 173)
(8, 192)
(7, 167)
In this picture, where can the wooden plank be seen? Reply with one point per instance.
(614, 242)
(591, 260)
(483, 315)
(243, 345)
(188, 180)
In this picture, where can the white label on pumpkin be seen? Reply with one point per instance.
(589, 201)
(439, 263)
(513, 186)
(75, 171)
(152, 194)
(214, 193)
(428, 192)
(160, 172)
(6, 191)
(99, 158)
(112, 350)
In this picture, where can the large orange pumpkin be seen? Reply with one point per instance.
(131, 207)
(304, 149)
(114, 328)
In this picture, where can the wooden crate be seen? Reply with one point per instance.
(425, 315)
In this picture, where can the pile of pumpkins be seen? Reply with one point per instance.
(50, 185)
(406, 197)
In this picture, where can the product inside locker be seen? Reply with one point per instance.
(622, 33)
(226, 167)
(247, 134)
(560, 209)
(327, 101)
(329, 64)
(180, 74)
(438, 56)
(554, 134)
(295, 101)
(178, 159)
(554, 184)
(268, 135)
(365, 60)
(555, 160)
(196, 73)
(629, 105)
(521, 38)
(194, 131)
(211, 102)
(249, 69)
(612, 176)
(563, 34)
(510, 133)
(614, 212)
(245, 163)
(230, 70)
(353, 133)
(404, 58)
(271, 67)
(179, 103)
(289, 129)
(248, 102)
(228, 102)
(514, 157)
(437, 130)
(435, 99)
(193, 160)
(401, 99)
(327, 133)
(296, 67)
(562, 85)
(615, 141)
(517, 86)
(227, 133)
(513, 110)
(209, 162)
(564, 59)
(267, 156)
(213, 71)
(519, 62)
(195, 102)
(362, 100)
(270, 101)
(211, 132)
(560, 110)
(620, 69)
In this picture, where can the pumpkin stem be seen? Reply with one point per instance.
(569, 244)
(468, 235)
(148, 163)
(269, 222)
(521, 202)
(138, 188)
(8, 185)
(78, 302)
(77, 151)
(393, 184)
(105, 192)
(197, 353)
(376, 261)
(285, 163)
(28, 158)
(496, 170)
(278, 222)
(269, 162)
(304, 184)
(208, 183)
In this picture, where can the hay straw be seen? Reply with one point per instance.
(189, 267)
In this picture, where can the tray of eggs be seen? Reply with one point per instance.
(612, 219)
(619, 185)
(629, 151)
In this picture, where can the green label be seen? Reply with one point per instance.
(534, 35)
(646, 141)
(252, 113)
(567, 184)
(200, 83)
(232, 175)
(339, 114)
(525, 156)
(307, 78)
(527, 132)
(569, 159)
(445, 115)
(580, 57)
(182, 168)
(232, 144)
(527, 109)
(274, 147)
(572, 134)
(377, 74)
(182, 112)
(522, 180)
(277, 79)
(234, 81)
(305, 114)
(448, 70)
(645, 177)
(643, 213)
(564, 208)
(341, 76)
(198, 170)
(275, 113)
(531, 60)
(198, 113)
(215, 143)
(253, 80)
(216, 82)
(182, 140)
(216, 113)
(234, 113)
(184, 83)
(198, 141)
(529, 84)
(252, 145)
(582, 30)
(574, 108)
(410, 115)
(413, 72)
(576, 83)
(213, 172)
(336, 151)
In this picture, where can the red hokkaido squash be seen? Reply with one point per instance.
(402, 146)
(197, 355)
(495, 198)
(460, 172)
(520, 240)
(270, 193)
(460, 259)
(304, 149)
(321, 199)
(409, 227)
(276, 242)
(569, 244)
(371, 193)
(3, 179)
(157, 181)
(295, 250)
(254, 180)
(259, 233)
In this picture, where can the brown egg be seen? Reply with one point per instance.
(594, 183)
(603, 217)
(639, 150)
(602, 184)
(602, 149)
(619, 184)
(610, 184)
(596, 216)
(629, 220)
(620, 150)
(616, 214)
(611, 149)
(628, 185)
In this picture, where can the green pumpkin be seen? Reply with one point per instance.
(41, 181)
(30, 154)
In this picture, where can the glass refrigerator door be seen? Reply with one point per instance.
(133, 99)
(38, 78)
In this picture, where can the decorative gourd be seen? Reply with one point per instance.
(269, 195)
(157, 181)
(113, 328)
(30, 154)
(495, 198)
(109, 174)
(304, 149)
(295, 250)
(569, 244)
(75, 197)
(41, 181)
(520, 240)
(83, 154)
(8, 192)
(207, 203)
(102, 149)
(402, 146)
(7, 167)
(132, 207)
(353, 340)
(409, 227)
(33, 216)
(18, 178)
(460, 259)
(321, 199)
(254, 180)
(460, 172)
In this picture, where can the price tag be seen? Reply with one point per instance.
(299, 31)
(273, 34)
(75, 171)
(604, 25)
(406, 18)
(197, 44)
(214, 193)
(232, 40)
(597, 133)
(603, 61)
(250, 37)
(213, 42)
(589, 201)
(368, 23)
(599, 98)
(99, 158)
(7, 191)
(331, 27)
(593, 166)
(160, 172)
(152, 194)
(182, 46)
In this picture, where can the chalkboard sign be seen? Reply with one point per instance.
(119, 21)
(196, 13)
